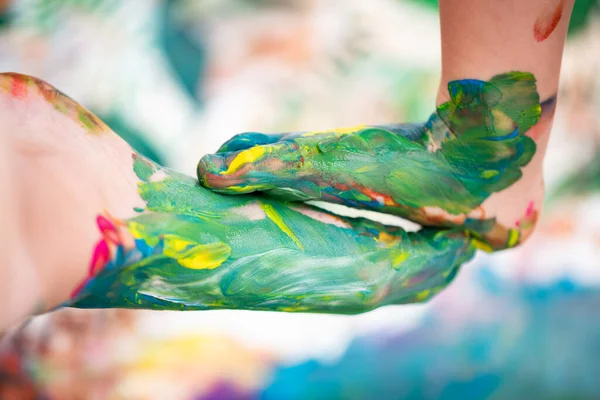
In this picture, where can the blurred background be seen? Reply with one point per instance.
(177, 78)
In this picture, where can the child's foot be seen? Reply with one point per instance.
(469, 166)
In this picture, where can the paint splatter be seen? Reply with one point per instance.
(548, 21)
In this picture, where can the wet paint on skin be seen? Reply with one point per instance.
(548, 20)
(434, 173)
(192, 249)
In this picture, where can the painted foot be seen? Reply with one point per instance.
(467, 166)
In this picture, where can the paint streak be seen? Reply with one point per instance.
(399, 258)
(435, 173)
(275, 217)
(513, 238)
(245, 157)
(482, 245)
(548, 21)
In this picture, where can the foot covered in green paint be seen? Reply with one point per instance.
(437, 174)
(156, 239)
(193, 249)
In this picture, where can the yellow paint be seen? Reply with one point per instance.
(245, 189)
(342, 131)
(423, 295)
(294, 308)
(513, 237)
(502, 122)
(175, 244)
(138, 231)
(245, 157)
(208, 256)
(481, 245)
(489, 173)
(190, 254)
(6, 82)
(366, 168)
(399, 258)
(275, 217)
(386, 238)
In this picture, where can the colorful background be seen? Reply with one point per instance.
(177, 78)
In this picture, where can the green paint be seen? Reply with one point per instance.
(472, 146)
(85, 120)
(242, 259)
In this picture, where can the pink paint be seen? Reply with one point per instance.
(528, 213)
(108, 229)
(100, 257)
(530, 209)
(101, 254)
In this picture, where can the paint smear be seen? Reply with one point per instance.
(547, 22)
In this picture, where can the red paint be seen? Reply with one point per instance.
(547, 22)
(387, 200)
(18, 88)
